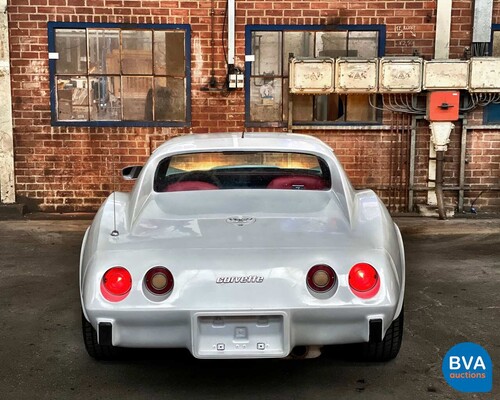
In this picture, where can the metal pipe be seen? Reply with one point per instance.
(411, 177)
(231, 11)
(463, 145)
(439, 184)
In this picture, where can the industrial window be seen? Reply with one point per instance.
(492, 112)
(269, 48)
(107, 74)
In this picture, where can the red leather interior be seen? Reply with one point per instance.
(304, 182)
(189, 185)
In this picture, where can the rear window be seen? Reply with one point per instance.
(242, 170)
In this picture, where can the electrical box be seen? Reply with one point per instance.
(236, 80)
(312, 75)
(400, 75)
(354, 75)
(484, 74)
(446, 75)
(443, 106)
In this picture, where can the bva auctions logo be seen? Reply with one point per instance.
(467, 367)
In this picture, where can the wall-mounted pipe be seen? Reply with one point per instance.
(439, 184)
(231, 12)
(443, 29)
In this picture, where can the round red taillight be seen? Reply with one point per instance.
(116, 283)
(321, 278)
(159, 280)
(364, 280)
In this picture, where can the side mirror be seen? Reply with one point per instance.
(132, 172)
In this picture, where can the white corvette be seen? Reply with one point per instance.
(242, 246)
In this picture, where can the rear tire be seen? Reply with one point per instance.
(96, 350)
(389, 347)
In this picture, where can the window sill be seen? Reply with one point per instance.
(354, 127)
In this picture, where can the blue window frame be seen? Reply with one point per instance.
(491, 113)
(266, 73)
(119, 74)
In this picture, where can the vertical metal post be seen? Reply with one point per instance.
(461, 182)
(7, 189)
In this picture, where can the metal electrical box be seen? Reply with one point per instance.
(443, 106)
(484, 74)
(312, 75)
(354, 75)
(446, 75)
(400, 75)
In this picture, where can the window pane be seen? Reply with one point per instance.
(137, 98)
(265, 99)
(496, 44)
(170, 104)
(105, 98)
(331, 44)
(363, 44)
(137, 53)
(329, 107)
(169, 53)
(266, 47)
(301, 44)
(358, 108)
(72, 98)
(303, 108)
(104, 51)
(72, 49)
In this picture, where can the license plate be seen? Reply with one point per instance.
(239, 336)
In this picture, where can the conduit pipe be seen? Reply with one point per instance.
(439, 184)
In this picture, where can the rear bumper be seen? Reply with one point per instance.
(241, 333)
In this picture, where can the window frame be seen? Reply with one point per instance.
(249, 29)
(491, 113)
(52, 26)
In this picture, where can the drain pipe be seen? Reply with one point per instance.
(440, 137)
(439, 184)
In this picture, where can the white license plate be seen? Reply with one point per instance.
(239, 336)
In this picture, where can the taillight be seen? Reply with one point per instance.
(116, 284)
(159, 280)
(321, 278)
(364, 280)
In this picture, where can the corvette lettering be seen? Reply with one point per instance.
(240, 279)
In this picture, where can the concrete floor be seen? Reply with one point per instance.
(453, 276)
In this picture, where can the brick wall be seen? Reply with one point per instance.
(71, 169)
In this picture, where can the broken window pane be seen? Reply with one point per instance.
(363, 44)
(72, 98)
(169, 53)
(170, 104)
(137, 98)
(301, 44)
(329, 108)
(104, 51)
(137, 54)
(105, 98)
(331, 44)
(72, 49)
(266, 47)
(265, 99)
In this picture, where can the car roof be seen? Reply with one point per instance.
(244, 142)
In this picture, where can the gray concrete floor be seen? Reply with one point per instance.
(452, 296)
